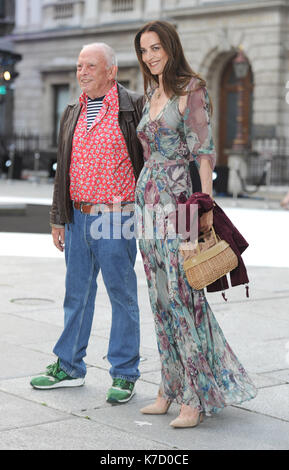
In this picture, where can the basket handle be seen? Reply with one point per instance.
(212, 230)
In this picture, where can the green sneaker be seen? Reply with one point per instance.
(55, 377)
(121, 391)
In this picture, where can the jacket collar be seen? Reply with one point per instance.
(125, 103)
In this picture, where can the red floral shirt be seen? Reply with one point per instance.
(101, 170)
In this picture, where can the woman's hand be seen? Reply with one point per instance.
(206, 221)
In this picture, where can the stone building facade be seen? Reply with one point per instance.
(50, 33)
(7, 18)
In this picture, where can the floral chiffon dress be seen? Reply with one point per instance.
(198, 367)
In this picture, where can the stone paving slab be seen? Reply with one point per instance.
(282, 376)
(75, 434)
(20, 361)
(268, 379)
(17, 413)
(271, 401)
(31, 330)
(231, 429)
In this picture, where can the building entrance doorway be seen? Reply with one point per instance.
(228, 110)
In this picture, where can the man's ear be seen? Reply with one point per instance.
(113, 72)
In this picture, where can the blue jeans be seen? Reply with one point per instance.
(86, 253)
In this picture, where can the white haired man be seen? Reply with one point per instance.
(99, 161)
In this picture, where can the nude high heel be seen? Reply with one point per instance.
(187, 422)
(157, 408)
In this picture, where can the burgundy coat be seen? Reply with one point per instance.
(226, 231)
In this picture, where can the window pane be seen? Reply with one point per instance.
(2, 8)
(119, 6)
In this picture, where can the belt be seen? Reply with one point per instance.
(88, 208)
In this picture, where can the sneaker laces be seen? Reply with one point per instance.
(122, 383)
(53, 369)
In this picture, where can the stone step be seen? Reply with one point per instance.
(12, 209)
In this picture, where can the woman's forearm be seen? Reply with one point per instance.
(206, 220)
(206, 176)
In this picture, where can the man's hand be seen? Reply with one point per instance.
(58, 235)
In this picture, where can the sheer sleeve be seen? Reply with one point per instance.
(197, 125)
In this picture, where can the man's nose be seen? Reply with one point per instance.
(83, 70)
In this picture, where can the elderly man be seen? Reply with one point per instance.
(99, 161)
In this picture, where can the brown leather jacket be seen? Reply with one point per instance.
(130, 110)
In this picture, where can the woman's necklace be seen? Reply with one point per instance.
(158, 93)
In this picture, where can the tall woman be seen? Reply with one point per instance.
(199, 369)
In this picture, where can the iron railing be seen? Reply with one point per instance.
(26, 152)
(267, 162)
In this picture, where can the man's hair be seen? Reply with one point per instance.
(107, 50)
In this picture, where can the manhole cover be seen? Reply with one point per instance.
(30, 301)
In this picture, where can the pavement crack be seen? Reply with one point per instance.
(268, 415)
(43, 404)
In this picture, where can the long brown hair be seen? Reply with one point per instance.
(177, 73)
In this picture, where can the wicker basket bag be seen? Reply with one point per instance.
(212, 259)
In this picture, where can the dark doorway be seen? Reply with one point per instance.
(228, 110)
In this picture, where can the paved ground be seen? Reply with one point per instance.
(31, 295)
